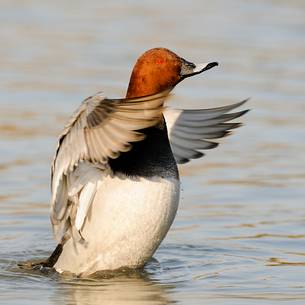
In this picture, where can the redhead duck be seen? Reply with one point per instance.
(115, 181)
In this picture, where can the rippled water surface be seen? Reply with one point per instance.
(239, 236)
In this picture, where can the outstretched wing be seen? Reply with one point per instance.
(191, 131)
(100, 129)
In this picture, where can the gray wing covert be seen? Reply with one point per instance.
(191, 131)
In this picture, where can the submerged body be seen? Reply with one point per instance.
(115, 182)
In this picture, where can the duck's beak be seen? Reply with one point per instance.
(189, 69)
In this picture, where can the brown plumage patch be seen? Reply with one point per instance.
(156, 70)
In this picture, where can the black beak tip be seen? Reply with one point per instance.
(211, 65)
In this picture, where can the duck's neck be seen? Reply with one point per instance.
(143, 82)
(140, 85)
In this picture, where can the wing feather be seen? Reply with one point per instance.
(100, 129)
(190, 130)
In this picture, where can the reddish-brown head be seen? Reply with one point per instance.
(159, 69)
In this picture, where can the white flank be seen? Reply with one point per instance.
(126, 222)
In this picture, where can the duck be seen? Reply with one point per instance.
(114, 178)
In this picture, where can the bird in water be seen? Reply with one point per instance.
(115, 182)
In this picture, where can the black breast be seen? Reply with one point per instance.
(150, 157)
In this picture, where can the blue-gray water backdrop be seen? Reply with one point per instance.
(239, 236)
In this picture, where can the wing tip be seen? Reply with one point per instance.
(182, 160)
(211, 145)
(243, 101)
(244, 111)
(197, 155)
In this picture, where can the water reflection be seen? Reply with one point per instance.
(135, 288)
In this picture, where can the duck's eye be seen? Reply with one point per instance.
(159, 61)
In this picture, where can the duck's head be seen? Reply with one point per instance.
(159, 69)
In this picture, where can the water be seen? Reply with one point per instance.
(239, 234)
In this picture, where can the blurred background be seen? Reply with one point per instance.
(239, 234)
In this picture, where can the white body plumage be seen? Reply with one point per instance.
(127, 220)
